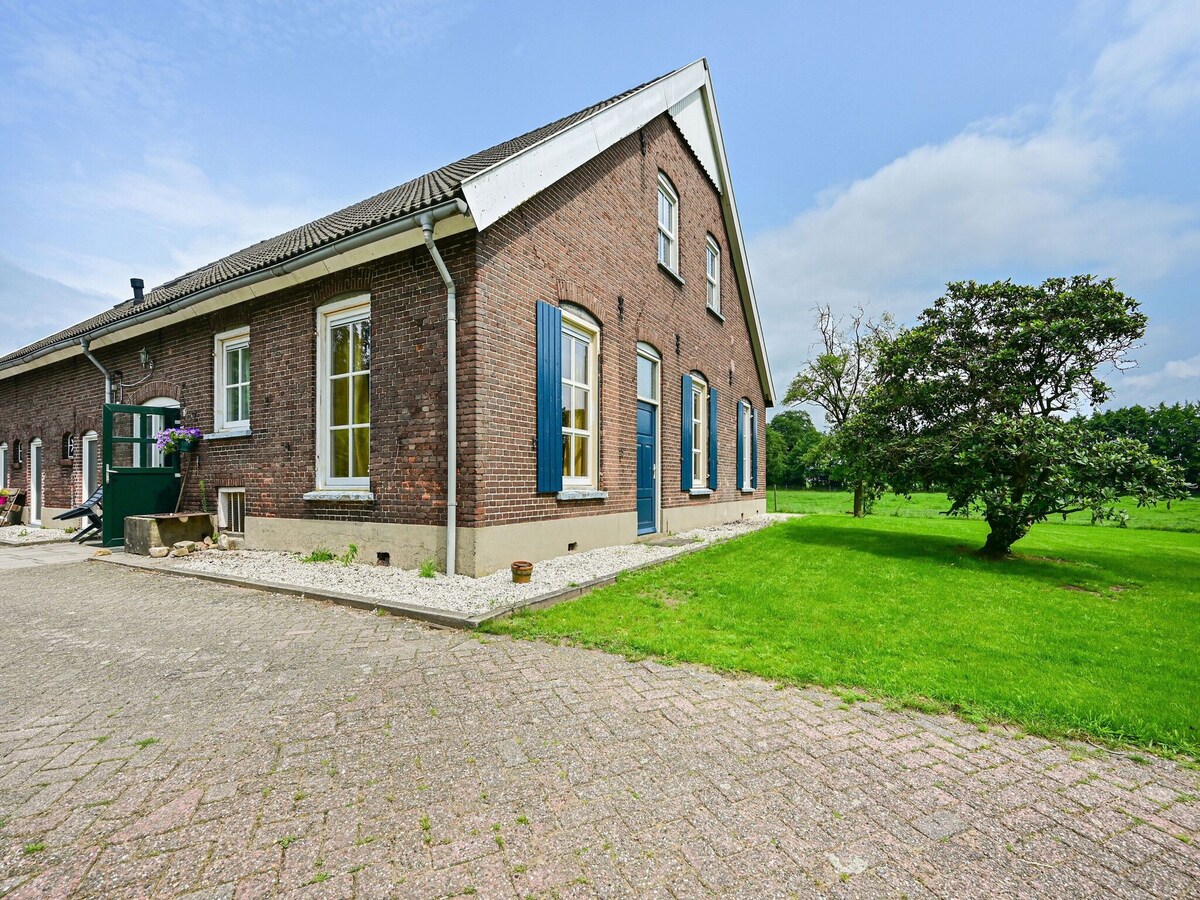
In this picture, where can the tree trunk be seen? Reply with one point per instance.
(1004, 533)
(859, 510)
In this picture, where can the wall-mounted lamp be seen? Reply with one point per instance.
(147, 360)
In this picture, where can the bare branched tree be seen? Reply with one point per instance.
(838, 377)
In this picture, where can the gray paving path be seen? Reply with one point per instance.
(30, 556)
(161, 737)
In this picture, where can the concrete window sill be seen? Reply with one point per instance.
(341, 496)
(231, 433)
(582, 495)
(674, 276)
(747, 490)
(716, 315)
(701, 492)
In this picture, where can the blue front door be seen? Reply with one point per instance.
(647, 458)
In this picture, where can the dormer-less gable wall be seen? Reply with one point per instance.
(590, 242)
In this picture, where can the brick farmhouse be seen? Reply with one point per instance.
(609, 375)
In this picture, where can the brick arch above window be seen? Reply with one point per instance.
(152, 389)
(87, 422)
(341, 283)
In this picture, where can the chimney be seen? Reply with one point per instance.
(137, 284)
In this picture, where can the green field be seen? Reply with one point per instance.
(1089, 631)
(1181, 515)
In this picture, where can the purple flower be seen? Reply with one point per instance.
(170, 439)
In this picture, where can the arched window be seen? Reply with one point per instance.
(91, 464)
(157, 424)
(68, 446)
(36, 477)
(18, 452)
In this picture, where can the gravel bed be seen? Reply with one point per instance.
(12, 534)
(456, 593)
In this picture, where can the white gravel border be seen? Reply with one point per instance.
(11, 534)
(455, 593)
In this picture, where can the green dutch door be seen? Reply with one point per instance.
(139, 479)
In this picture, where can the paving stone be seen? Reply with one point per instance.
(198, 740)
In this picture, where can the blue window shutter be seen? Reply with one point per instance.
(549, 398)
(754, 449)
(685, 437)
(712, 438)
(741, 445)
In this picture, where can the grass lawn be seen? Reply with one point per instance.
(1182, 515)
(1093, 631)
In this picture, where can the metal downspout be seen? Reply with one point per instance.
(451, 398)
(83, 343)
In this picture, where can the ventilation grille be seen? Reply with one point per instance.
(232, 514)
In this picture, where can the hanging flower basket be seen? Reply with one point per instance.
(178, 440)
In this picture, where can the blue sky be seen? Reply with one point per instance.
(878, 149)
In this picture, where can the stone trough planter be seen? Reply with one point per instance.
(142, 533)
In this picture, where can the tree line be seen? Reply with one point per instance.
(801, 456)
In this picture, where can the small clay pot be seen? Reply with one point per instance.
(521, 570)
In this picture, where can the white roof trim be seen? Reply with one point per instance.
(505, 185)
(687, 95)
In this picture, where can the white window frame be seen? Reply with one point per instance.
(578, 328)
(669, 231)
(225, 497)
(647, 352)
(746, 412)
(158, 459)
(341, 312)
(4, 464)
(223, 343)
(650, 354)
(89, 439)
(37, 479)
(699, 433)
(712, 273)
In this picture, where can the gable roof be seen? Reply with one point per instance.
(492, 182)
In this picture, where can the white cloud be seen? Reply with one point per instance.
(1017, 193)
(44, 305)
(280, 25)
(84, 66)
(196, 219)
(1156, 68)
(1174, 370)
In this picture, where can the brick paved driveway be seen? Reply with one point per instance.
(163, 737)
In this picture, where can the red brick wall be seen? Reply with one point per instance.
(276, 464)
(589, 240)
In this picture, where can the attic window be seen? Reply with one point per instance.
(668, 224)
(712, 271)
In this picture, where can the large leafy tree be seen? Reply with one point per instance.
(791, 438)
(974, 399)
(840, 373)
